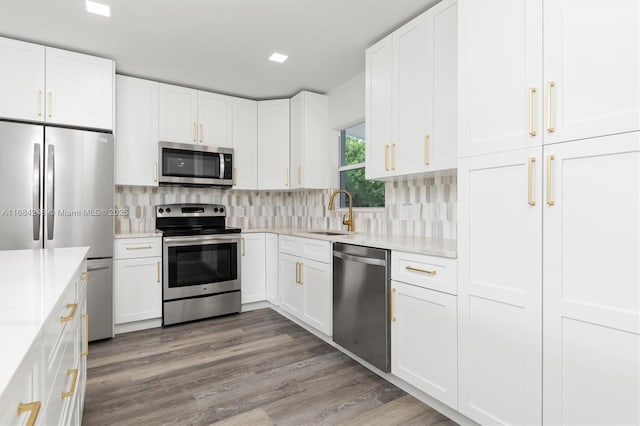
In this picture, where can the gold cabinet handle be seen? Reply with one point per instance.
(201, 133)
(139, 248)
(299, 175)
(423, 271)
(550, 201)
(195, 132)
(73, 307)
(532, 201)
(85, 317)
(550, 85)
(393, 156)
(243, 246)
(155, 171)
(84, 276)
(33, 408)
(391, 313)
(532, 130)
(426, 150)
(301, 266)
(72, 389)
(50, 104)
(40, 103)
(157, 271)
(386, 158)
(297, 273)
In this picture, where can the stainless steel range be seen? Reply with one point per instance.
(200, 261)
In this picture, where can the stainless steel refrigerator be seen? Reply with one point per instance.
(56, 190)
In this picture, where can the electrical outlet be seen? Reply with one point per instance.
(408, 211)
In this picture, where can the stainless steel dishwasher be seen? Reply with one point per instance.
(361, 281)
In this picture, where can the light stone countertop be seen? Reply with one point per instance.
(139, 235)
(441, 248)
(31, 283)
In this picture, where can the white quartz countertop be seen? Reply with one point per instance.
(31, 282)
(140, 235)
(442, 248)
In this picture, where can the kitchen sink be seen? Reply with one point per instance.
(327, 232)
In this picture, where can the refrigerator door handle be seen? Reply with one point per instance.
(36, 192)
(51, 175)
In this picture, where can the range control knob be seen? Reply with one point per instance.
(160, 210)
(168, 210)
(221, 209)
(215, 210)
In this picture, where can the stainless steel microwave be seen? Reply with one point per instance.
(195, 165)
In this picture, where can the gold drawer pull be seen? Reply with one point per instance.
(33, 408)
(85, 317)
(84, 276)
(424, 271)
(73, 307)
(139, 248)
(71, 391)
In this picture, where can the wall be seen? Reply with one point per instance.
(433, 199)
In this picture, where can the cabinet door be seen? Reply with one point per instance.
(138, 289)
(378, 108)
(21, 80)
(24, 390)
(317, 280)
(273, 144)
(79, 89)
(291, 290)
(423, 341)
(500, 59)
(591, 275)
(315, 172)
(245, 144)
(500, 287)
(137, 132)
(592, 56)
(253, 267)
(272, 269)
(215, 119)
(178, 110)
(412, 96)
(442, 139)
(297, 140)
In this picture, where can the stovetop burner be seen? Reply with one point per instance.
(192, 219)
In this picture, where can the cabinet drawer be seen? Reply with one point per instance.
(432, 272)
(63, 384)
(130, 248)
(308, 248)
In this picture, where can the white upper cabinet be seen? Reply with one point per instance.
(79, 89)
(309, 139)
(215, 119)
(411, 96)
(245, 143)
(178, 108)
(136, 131)
(591, 275)
(22, 80)
(273, 144)
(591, 68)
(500, 287)
(72, 89)
(500, 63)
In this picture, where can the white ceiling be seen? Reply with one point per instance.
(219, 45)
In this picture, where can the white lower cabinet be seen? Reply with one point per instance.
(424, 344)
(253, 267)
(24, 397)
(273, 295)
(137, 279)
(306, 282)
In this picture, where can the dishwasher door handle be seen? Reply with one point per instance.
(359, 259)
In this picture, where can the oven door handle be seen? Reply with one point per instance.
(210, 239)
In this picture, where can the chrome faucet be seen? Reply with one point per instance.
(349, 221)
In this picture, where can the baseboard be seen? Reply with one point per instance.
(247, 307)
(137, 325)
(410, 389)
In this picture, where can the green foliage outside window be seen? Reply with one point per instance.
(366, 193)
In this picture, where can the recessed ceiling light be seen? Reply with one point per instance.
(98, 8)
(278, 57)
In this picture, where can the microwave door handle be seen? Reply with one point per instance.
(221, 166)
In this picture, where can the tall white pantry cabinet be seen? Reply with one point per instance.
(549, 222)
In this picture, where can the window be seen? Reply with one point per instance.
(366, 193)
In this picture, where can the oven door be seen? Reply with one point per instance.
(188, 164)
(197, 266)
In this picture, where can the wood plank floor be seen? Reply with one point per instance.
(255, 368)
